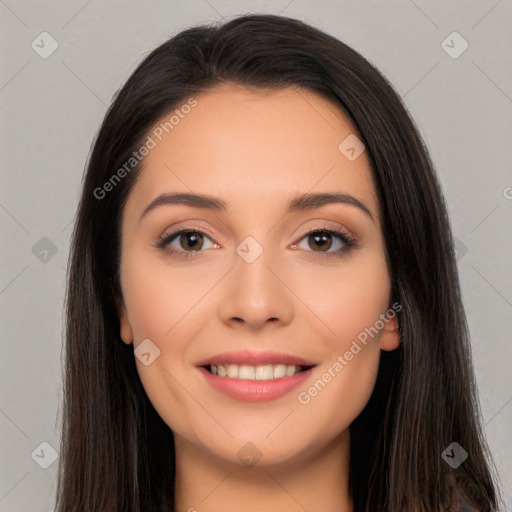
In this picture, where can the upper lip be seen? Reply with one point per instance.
(255, 358)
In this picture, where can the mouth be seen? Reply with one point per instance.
(251, 376)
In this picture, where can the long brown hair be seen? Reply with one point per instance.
(117, 454)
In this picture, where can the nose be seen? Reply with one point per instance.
(256, 293)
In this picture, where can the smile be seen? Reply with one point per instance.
(255, 376)
(246, 387)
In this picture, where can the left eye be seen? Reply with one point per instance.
(323, 240)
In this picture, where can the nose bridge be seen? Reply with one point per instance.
(252, 269)
(250, 250)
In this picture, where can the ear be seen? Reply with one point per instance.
(125, 328)
(390, 337)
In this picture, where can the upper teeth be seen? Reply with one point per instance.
(261, 372)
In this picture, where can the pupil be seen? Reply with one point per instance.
(319, 236)
(186, 237)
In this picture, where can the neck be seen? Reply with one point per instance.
(312, 481)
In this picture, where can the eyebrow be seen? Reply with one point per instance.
(302, 202)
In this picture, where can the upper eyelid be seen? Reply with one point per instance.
(174, 232)
(326, 225)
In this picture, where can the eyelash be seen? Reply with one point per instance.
(348, 241)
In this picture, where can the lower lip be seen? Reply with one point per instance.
(255, 390)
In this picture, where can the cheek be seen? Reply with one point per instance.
(349, 302)
(348, 298)
(164, 305)
(165, 308)
(160, 299)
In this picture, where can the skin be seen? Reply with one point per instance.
(255, 149)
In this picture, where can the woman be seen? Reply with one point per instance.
(263, 303)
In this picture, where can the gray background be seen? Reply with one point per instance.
(51, 109)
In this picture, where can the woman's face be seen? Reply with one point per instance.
(249, 284)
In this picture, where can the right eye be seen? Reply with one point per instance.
(184, 243)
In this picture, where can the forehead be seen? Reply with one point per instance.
(254, 147)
